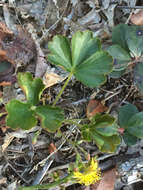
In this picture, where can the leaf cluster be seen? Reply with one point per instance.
(131, 120)
(103, 130)
(127, 50)
(24, 115)
(83, 57)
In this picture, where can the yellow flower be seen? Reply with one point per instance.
(90, 174)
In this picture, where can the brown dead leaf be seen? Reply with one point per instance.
(51, 78)
(20, 48)
(94, 107)
(137, 18)
(107, 182)
(4, 31)
(16, 49)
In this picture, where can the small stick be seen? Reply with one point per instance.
(128, 7)
(42, 173)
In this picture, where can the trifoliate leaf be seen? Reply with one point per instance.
(31, 87)
(126, 112)
(105, 143)
(135, 125)
(134, 40)
(130, 38)
(103, 131)
(51, 117)
(20, 115)
(83, 57)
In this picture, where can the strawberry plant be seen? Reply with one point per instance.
(83, 58)
(127, 50)
(131, 120)
(103, 130)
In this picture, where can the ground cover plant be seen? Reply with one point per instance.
(83, 58)
(127, 51)
(71, 94)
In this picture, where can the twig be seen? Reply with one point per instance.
(48, 157)
(130, 7)
(42, 173)
(25, 181)
(45, 35)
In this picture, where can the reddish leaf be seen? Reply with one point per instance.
(94, 107)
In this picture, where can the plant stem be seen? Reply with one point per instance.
(47, 186)
(60, 93)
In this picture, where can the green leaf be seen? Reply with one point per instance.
(119, 36)
(135, 125)
(51, 117)
(121, 60)
(110, 143)
(20, 115)
(102, 120)
(86, 61)
(129, 139)
(103, 131)
(105, 143)
(134, 40)
(108, 130)
(117, 74)
(32, 88)
(120, 65)
(90, 134)
(129, 38)
(117, 52)
(93, 70)
(138, 75)
(125, 113)
(60, 52)
(83, 46)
